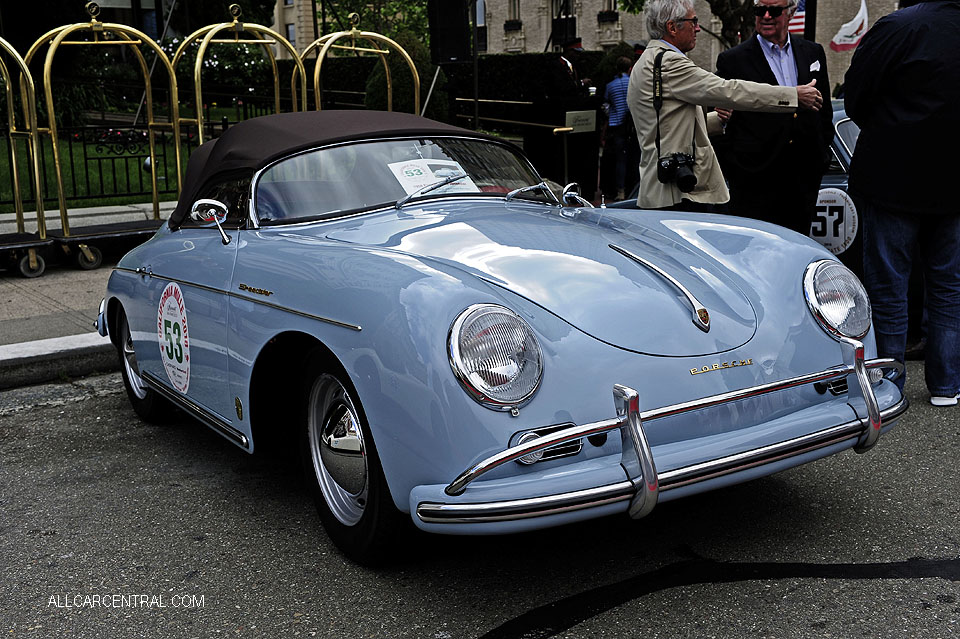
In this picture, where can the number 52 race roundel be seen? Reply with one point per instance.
(173, 337)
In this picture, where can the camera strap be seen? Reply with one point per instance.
(658, 102)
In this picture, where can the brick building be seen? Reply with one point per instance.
(524, 26)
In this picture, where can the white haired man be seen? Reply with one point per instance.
(678, 166)
(776, 157)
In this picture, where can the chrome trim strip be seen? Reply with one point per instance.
(701, 317)
(325, 320)
(458, 485)
(286, 309)
(482, 512)
(432, 512)
(218, 425)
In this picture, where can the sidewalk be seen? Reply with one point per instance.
(47, 323)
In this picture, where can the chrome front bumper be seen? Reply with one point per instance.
(644, 484)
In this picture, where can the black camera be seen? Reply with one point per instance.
(677, 167)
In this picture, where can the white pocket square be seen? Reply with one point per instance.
(815, 66)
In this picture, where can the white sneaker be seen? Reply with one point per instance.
(944, 401)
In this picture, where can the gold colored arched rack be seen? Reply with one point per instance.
(258, 35)
(325, 43)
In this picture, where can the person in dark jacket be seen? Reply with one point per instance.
(774, 161)
(903, 90)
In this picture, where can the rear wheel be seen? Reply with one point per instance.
(344, 472)
(146, 402)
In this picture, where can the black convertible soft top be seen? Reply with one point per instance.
(252, 144)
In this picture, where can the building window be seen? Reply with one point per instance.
(564, 25)
(562, 9)
(481, 22)
(291, 34)
(513, 9)
(288, 3)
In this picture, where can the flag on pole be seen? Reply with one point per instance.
(796, 24)
(849, 35)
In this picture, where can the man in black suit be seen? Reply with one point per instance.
(774, 161)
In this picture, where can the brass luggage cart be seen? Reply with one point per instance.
(258, 35)
(20, 248)
(79, 241)
(325, 44)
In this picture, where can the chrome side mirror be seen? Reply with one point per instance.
(207, 211)
(571, 196)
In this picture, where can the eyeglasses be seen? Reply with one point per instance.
(694, 21)
(774, 12)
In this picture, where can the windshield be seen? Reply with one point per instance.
(352, 177)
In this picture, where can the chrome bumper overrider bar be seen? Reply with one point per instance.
(644, 482)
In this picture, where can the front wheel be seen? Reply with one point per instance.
(343, 469)
(146, 402)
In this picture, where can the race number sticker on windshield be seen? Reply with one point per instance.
(836, 222)
(173, 337)
(413, 175)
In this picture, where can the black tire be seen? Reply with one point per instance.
(26, 271)
(343, 470)
(146, 402)
(87, 264)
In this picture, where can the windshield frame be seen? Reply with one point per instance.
(256, 223)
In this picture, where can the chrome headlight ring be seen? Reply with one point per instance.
(837, 299)
(495, 356)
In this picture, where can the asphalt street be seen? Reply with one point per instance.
(110, 527)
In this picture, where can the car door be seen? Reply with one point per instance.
(190, 280)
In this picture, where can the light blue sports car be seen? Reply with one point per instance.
(448, 341)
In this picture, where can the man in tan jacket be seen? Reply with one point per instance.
(683, 126)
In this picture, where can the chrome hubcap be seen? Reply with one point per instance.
(130, 363)
(336, 449)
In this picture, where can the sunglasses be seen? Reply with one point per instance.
(775, 12)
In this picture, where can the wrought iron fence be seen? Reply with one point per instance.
(108, 157)
(96, 162)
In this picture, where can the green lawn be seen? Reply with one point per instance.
(94, 173)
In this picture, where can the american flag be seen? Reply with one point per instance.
(796, 22)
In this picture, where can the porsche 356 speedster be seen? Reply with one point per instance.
(449, 340)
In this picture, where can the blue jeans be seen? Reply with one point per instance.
(890, 243)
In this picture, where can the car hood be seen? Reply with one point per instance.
(585, 266)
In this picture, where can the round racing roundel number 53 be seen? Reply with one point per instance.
(173, 337)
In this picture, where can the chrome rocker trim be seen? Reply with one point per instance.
(637, 457)
(217, 424)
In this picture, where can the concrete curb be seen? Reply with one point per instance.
(46, 360)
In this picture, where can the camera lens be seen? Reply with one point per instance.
(686, 180)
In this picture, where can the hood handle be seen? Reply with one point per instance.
(701, 317)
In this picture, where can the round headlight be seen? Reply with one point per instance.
(837, 299)
(495, 356)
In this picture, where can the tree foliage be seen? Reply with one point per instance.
(188, 16)
(402, 80)
(388, 17)
(736, 18)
